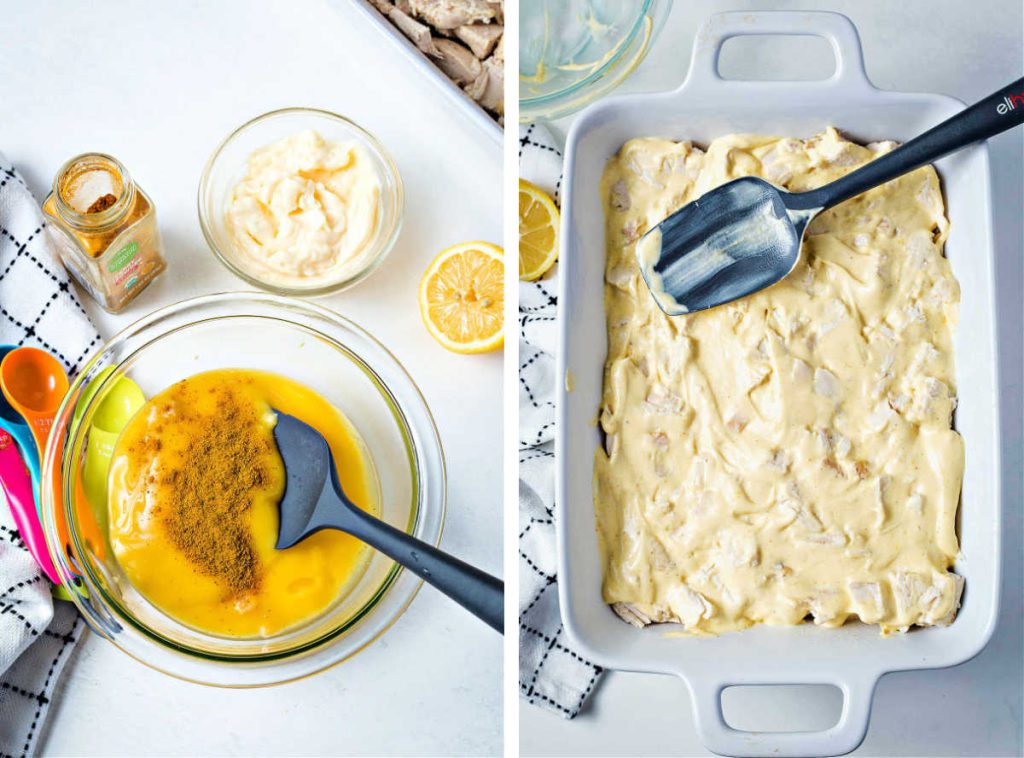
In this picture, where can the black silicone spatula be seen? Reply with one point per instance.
(745, 235)
(314, 500)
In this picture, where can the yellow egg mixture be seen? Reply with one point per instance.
(788, 455)
(195, 484)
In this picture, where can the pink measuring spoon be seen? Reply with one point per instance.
(17, 486)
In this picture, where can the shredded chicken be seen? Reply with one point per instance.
(465, 38)
(457, 62)
(414, 30)
(481, 38)
(489, 86)
(446, 15)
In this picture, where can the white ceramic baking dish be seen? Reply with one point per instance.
(854, 656)
(459, 100)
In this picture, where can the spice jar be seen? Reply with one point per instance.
(104, 227)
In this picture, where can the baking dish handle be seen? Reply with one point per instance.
(835, 28)
(839, 739)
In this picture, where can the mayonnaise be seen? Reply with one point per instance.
(306, 212)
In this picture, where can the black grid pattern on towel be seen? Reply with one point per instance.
(539, 626)
(551, 673)
(529, 140)
(29, 269)
(26, 689)
(39, 307)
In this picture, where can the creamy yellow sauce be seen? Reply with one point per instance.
(155, 460)
(789, 455)
(306, 211)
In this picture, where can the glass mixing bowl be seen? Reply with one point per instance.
(311, 345)
(571, 52)
(228, 165)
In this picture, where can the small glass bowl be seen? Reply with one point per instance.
(572, 52)
(311, 345)
(228, 164)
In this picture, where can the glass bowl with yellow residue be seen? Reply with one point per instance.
(348, 370)
(573, 52)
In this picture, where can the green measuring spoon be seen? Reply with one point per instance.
(115, 408)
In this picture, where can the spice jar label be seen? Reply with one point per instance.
(123, 257)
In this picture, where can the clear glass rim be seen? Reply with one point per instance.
(430, 484)
(385, 242)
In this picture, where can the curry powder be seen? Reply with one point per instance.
(209, 493)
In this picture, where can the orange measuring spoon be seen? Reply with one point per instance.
(34, 383)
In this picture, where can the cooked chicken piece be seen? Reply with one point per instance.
(404, 6)
(488, 88)
(499, 10)
(382, 5)
(414, 30)
(457, 62)
(631, 614)
(447, 15)
(481, 38)
(689, 606)
(958, 590)
(868, 601)
(499, 51)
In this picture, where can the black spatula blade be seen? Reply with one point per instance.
(307, 461)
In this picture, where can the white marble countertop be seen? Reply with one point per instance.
(965, 49)
(158, 85)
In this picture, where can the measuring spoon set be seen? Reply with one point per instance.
(32, 386)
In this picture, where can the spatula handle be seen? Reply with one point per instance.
(477, 591)
(998, 112)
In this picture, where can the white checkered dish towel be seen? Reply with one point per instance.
(38, 307)
(551, 674)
